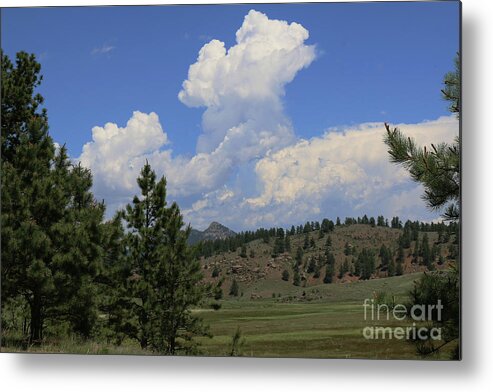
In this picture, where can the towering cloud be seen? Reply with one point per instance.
(241, 89)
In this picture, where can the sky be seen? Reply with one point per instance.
(257, 115)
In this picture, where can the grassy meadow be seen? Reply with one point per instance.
(324, 321)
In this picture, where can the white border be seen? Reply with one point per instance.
(94, 373)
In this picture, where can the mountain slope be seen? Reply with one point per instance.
(259, 273)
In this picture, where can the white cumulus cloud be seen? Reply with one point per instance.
(116, 154)
(345, 172)
(349, 165)
(241, 89)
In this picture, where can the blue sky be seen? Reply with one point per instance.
(364, 63)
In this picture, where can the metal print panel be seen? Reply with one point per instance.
(265, 180)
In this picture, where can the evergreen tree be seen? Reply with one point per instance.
(164, 278)
(215, 272)
(329, 272)
(316, 270)
(285, 275)
(327, 225)
(385, 256)
(434, 252)
(428, 290)
(299, 257)
(307, 228)
(426, 252)
(234, 289)
(436, 168)
(51, 224)
(347, 249)
(329, 258)
(312, 265)
(296, 278)
(306, 242)
(366, 261)
(344, 268)
(278, 246)
(243, 251)
(392, 267)
(396, 223)
(400, 260)
(287, 244)
(398, 269)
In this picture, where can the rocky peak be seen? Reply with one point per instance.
(213, 232)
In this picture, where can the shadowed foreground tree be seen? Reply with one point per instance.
(51, 247)
(437, 168)
(163, 279)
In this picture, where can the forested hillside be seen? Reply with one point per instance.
(327, 252)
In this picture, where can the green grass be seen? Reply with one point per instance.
(327, 322)
(326, 327)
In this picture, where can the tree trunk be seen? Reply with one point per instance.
(143, 343)
(171, 345)
(36, 325)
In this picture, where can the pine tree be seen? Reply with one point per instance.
(366, 261)
(299, 256)
(344, 267)
(391, 270)
(287, 244)
(164, 277)
(347, 249)
(215, 272)
(398, 269)
(437, 168)
(278, 246)
(425, 251)
(296, 278)
(316, 270)
(51, 249)
(329, 272)
(384, 256)
(312, 265)
(306, 241)
(234, 289)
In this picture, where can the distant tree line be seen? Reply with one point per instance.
(281, 241)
